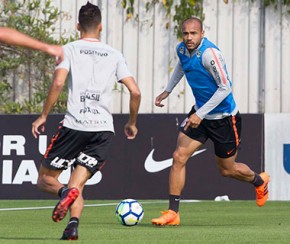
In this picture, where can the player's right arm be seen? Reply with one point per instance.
(174, 80)
(56, 87)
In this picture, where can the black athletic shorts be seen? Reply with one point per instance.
(225, 133)
(71, 147)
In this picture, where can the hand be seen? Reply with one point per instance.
(193, 121)
(130, 131)
(56, 51)
(38, 124)
(161, 97)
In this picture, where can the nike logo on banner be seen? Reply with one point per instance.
(153, 166)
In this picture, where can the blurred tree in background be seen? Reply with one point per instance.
(25, 75)
(177, 10)
(182, 9)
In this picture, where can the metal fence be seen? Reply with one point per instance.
(254, 40)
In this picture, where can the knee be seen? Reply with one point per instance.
(43, 180)
(179, 159)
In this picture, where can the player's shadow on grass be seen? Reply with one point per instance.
(28, 238)
(146, 225)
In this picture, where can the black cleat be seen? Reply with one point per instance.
(61, 208)
(70, 233)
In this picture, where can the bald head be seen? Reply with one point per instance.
(193, 19)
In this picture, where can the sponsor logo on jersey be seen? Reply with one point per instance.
(181, 50)
(216, 73)
(93, 52)
(198, 53)
(90, 95)
(88, 109)
(91, 122)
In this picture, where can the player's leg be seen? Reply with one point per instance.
(79, 177)
(225, 134)
(240, 171)
(184, 149)
(48, 180)
(59, 156)
(89, 161)
(229, 168)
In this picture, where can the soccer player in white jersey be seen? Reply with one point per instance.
(16, 38)
(84, 137)
(214, 116)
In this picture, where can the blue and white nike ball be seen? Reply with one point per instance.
(129, 212)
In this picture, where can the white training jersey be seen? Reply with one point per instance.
(93, 69)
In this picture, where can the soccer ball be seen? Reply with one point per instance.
(129, 212)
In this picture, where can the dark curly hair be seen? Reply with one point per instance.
(89, 17)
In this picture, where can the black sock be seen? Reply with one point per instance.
(73, 222)
(258, 181)
(174, 202)
(62, 190)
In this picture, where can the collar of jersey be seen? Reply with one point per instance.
(90, 39)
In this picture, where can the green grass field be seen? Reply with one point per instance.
(201, 222)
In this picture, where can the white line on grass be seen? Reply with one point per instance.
(90, 205)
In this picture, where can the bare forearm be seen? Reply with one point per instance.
(14, 37)
(52, 97)
(134, 107)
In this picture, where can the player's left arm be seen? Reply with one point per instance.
(134, 104)
(55, 90)
(214, 63)
(124, 76)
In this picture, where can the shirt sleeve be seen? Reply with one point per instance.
(178, 73)
(65, 64)
(122, 69)
(214, 63)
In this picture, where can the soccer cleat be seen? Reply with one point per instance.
(168, 217)
(61, 208)
(70, 233)
(262, 193)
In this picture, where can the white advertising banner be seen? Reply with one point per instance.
(277, 154)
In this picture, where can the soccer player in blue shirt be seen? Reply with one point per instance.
(214, 116)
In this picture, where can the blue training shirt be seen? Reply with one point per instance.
(206, 73)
